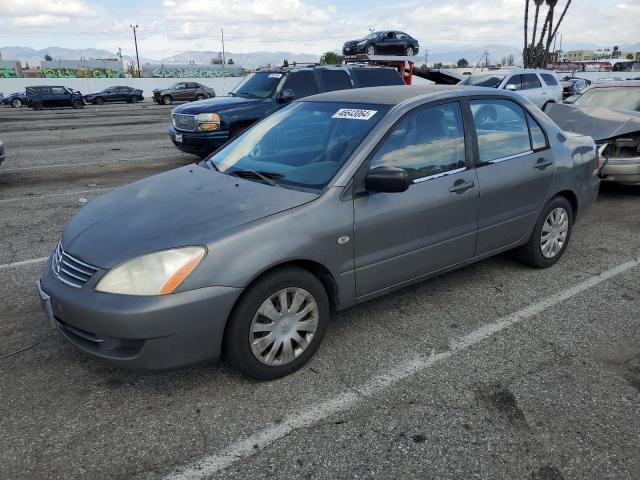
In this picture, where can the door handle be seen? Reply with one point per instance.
(542, 163)
(461, 186)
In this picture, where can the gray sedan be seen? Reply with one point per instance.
(333, 200)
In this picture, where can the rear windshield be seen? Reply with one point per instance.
(376, 77)
(620, 98)
(303, 145)
(492, 81)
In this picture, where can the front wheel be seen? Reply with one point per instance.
(16, 103)
(278, 324)
(37, 105)
(370, 50)
(550, 236)
(99, 101)
(167, 100)
(200, 97)
(134, 99)
(77, 104)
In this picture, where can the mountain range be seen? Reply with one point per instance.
(255, 59)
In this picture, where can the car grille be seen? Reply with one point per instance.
(185, 122)
(70, 270)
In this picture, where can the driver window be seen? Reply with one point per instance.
(425, 143)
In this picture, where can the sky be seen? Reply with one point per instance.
(167, 27)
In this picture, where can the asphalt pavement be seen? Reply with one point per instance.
(495, 371)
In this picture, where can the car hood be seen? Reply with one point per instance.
(191, 205)
(214, 105)
(597, 122)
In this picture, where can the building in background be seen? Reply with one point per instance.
(580, 55)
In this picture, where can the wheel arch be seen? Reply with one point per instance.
(573, 200)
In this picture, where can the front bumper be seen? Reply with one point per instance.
(353, 49)
(139, 332)
(625, 171)
(199, 143)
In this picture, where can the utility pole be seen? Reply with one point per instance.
(223, 59)
(135, 40)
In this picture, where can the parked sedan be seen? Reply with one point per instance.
(336, 199)
(182, 91)
(16, 100)
(383, 43)
(115, 94)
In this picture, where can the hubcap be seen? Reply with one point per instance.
(16, 103)
(371, 50)
(554, 232)
(410, 52)
(283, 326)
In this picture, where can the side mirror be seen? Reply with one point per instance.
(286, 95)
(511, 87)
(387, 179)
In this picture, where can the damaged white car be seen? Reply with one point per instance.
(610, 114)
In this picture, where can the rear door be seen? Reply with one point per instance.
(432, 225)
(532, 89)
(334, 80)
(121, 93)
(515, 169)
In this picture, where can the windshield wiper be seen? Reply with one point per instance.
(266, 177)
(249, 94)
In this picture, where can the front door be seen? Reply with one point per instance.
(515, 172)
(60, 97)
(432, 225)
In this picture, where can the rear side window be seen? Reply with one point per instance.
(335, 80)
(376, 77)
(538, 140)
(549, 79)
(529, 81)
(303, 84)
(58, 91)
(501, 129)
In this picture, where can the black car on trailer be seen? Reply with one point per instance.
(203, 127)
(387, 42)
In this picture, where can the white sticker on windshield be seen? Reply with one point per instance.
(354, 113)
(275, 75)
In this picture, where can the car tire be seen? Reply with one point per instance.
(167, 100)
(77, 104)
(410, 52)
(301, 291)
(200, 97)
(16, 103)
(134, 99)
(554, 224)
(370, 49)
(37, 105)
(98, 101)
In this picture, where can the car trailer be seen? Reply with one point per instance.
(403, 64)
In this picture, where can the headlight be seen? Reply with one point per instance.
(362, 43)
(158, 273)
(208, 117)
(208, 121)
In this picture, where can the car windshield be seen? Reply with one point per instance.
(621, 98)
(302, 145)
(492, 81)
(258, 85)
(373, 36)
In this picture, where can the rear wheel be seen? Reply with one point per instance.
(99, 101)
(550, 236)
(370, 50)
(167, 100)
(278, 324)
(16, 103)
(200, 97)
(77, 104)
(37, 105)
(134, 99)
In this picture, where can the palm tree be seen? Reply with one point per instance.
(535, 20)
(526, 20)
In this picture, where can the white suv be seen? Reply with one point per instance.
(539, 86)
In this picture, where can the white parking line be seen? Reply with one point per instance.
(315, 413)
(22, 263)
(61, 194)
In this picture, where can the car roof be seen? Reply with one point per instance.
(617, 83)
(314, 66)
(396, 94)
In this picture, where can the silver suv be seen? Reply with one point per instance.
(539, 86)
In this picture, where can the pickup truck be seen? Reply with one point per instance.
(203, 127)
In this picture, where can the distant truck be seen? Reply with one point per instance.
(203, 127)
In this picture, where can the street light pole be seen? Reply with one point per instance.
(135, 40)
